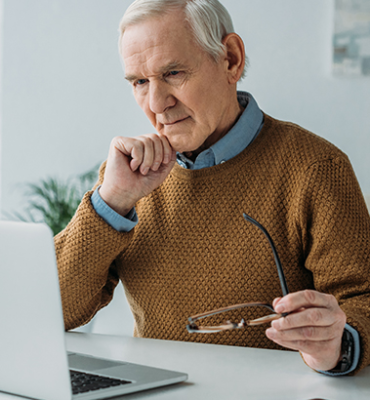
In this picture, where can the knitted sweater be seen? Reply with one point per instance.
(192, 251)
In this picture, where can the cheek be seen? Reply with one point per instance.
(207, 121)
(203, 103)
(143, 103)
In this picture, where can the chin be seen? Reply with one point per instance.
(179, 145)
(182, 139)
(183, 143)
(183, 148)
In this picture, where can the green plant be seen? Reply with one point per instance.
(54, 201)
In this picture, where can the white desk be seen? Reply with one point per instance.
(222, 372)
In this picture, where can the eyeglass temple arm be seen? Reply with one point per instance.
(194, 318)
(284, 286)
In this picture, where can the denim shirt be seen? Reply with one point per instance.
(234, 142)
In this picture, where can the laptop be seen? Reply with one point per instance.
(33, 358)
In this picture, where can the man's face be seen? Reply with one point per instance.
(183, 92)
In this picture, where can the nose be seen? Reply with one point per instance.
(160, 97)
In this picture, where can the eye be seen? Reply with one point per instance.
(174, 74)
(140, 82)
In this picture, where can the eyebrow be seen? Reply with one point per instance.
(166, 68)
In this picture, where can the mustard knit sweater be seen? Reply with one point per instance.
(192, 251)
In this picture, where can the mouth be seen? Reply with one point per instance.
(175, 122)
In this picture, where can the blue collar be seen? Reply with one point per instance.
(235, 141)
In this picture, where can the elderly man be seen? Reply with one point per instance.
(166, 217)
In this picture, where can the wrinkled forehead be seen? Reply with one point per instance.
(158, 40)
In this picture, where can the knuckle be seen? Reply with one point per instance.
(308, 332)
(154, 138)
(286, 322)
(137, 147)
(310, 295)
(315, 315)
(144, 140)
(117, 141)
(151, 136)
(332, 301)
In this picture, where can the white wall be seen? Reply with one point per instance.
(64, 96)
(289, 43)
(1, 75)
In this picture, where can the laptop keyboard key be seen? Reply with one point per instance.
(83, 382)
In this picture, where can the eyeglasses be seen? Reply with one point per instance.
(192, 327)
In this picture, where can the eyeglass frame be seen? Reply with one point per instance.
(193, 328)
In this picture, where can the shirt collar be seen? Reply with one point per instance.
(235, 141)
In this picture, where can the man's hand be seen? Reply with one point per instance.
(314, 327)
(135, 167)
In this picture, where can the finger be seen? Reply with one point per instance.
(324, 350)
(167, 150)
(305, 318)
(275, 301)
(307, 346)
(320, 355)
(122, 145)
(148, 156)
(166, 168)
(130, 148)
(305, 298)
(137, 155)
(316, 334)
(158, 152)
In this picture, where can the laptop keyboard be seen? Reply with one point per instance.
(82, 382)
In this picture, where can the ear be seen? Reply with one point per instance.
(235, 56)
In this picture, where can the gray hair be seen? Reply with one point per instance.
(208, 19)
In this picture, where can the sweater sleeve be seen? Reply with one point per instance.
(334, 225)
(86, 251)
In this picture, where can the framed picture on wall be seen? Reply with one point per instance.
(351, 38)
